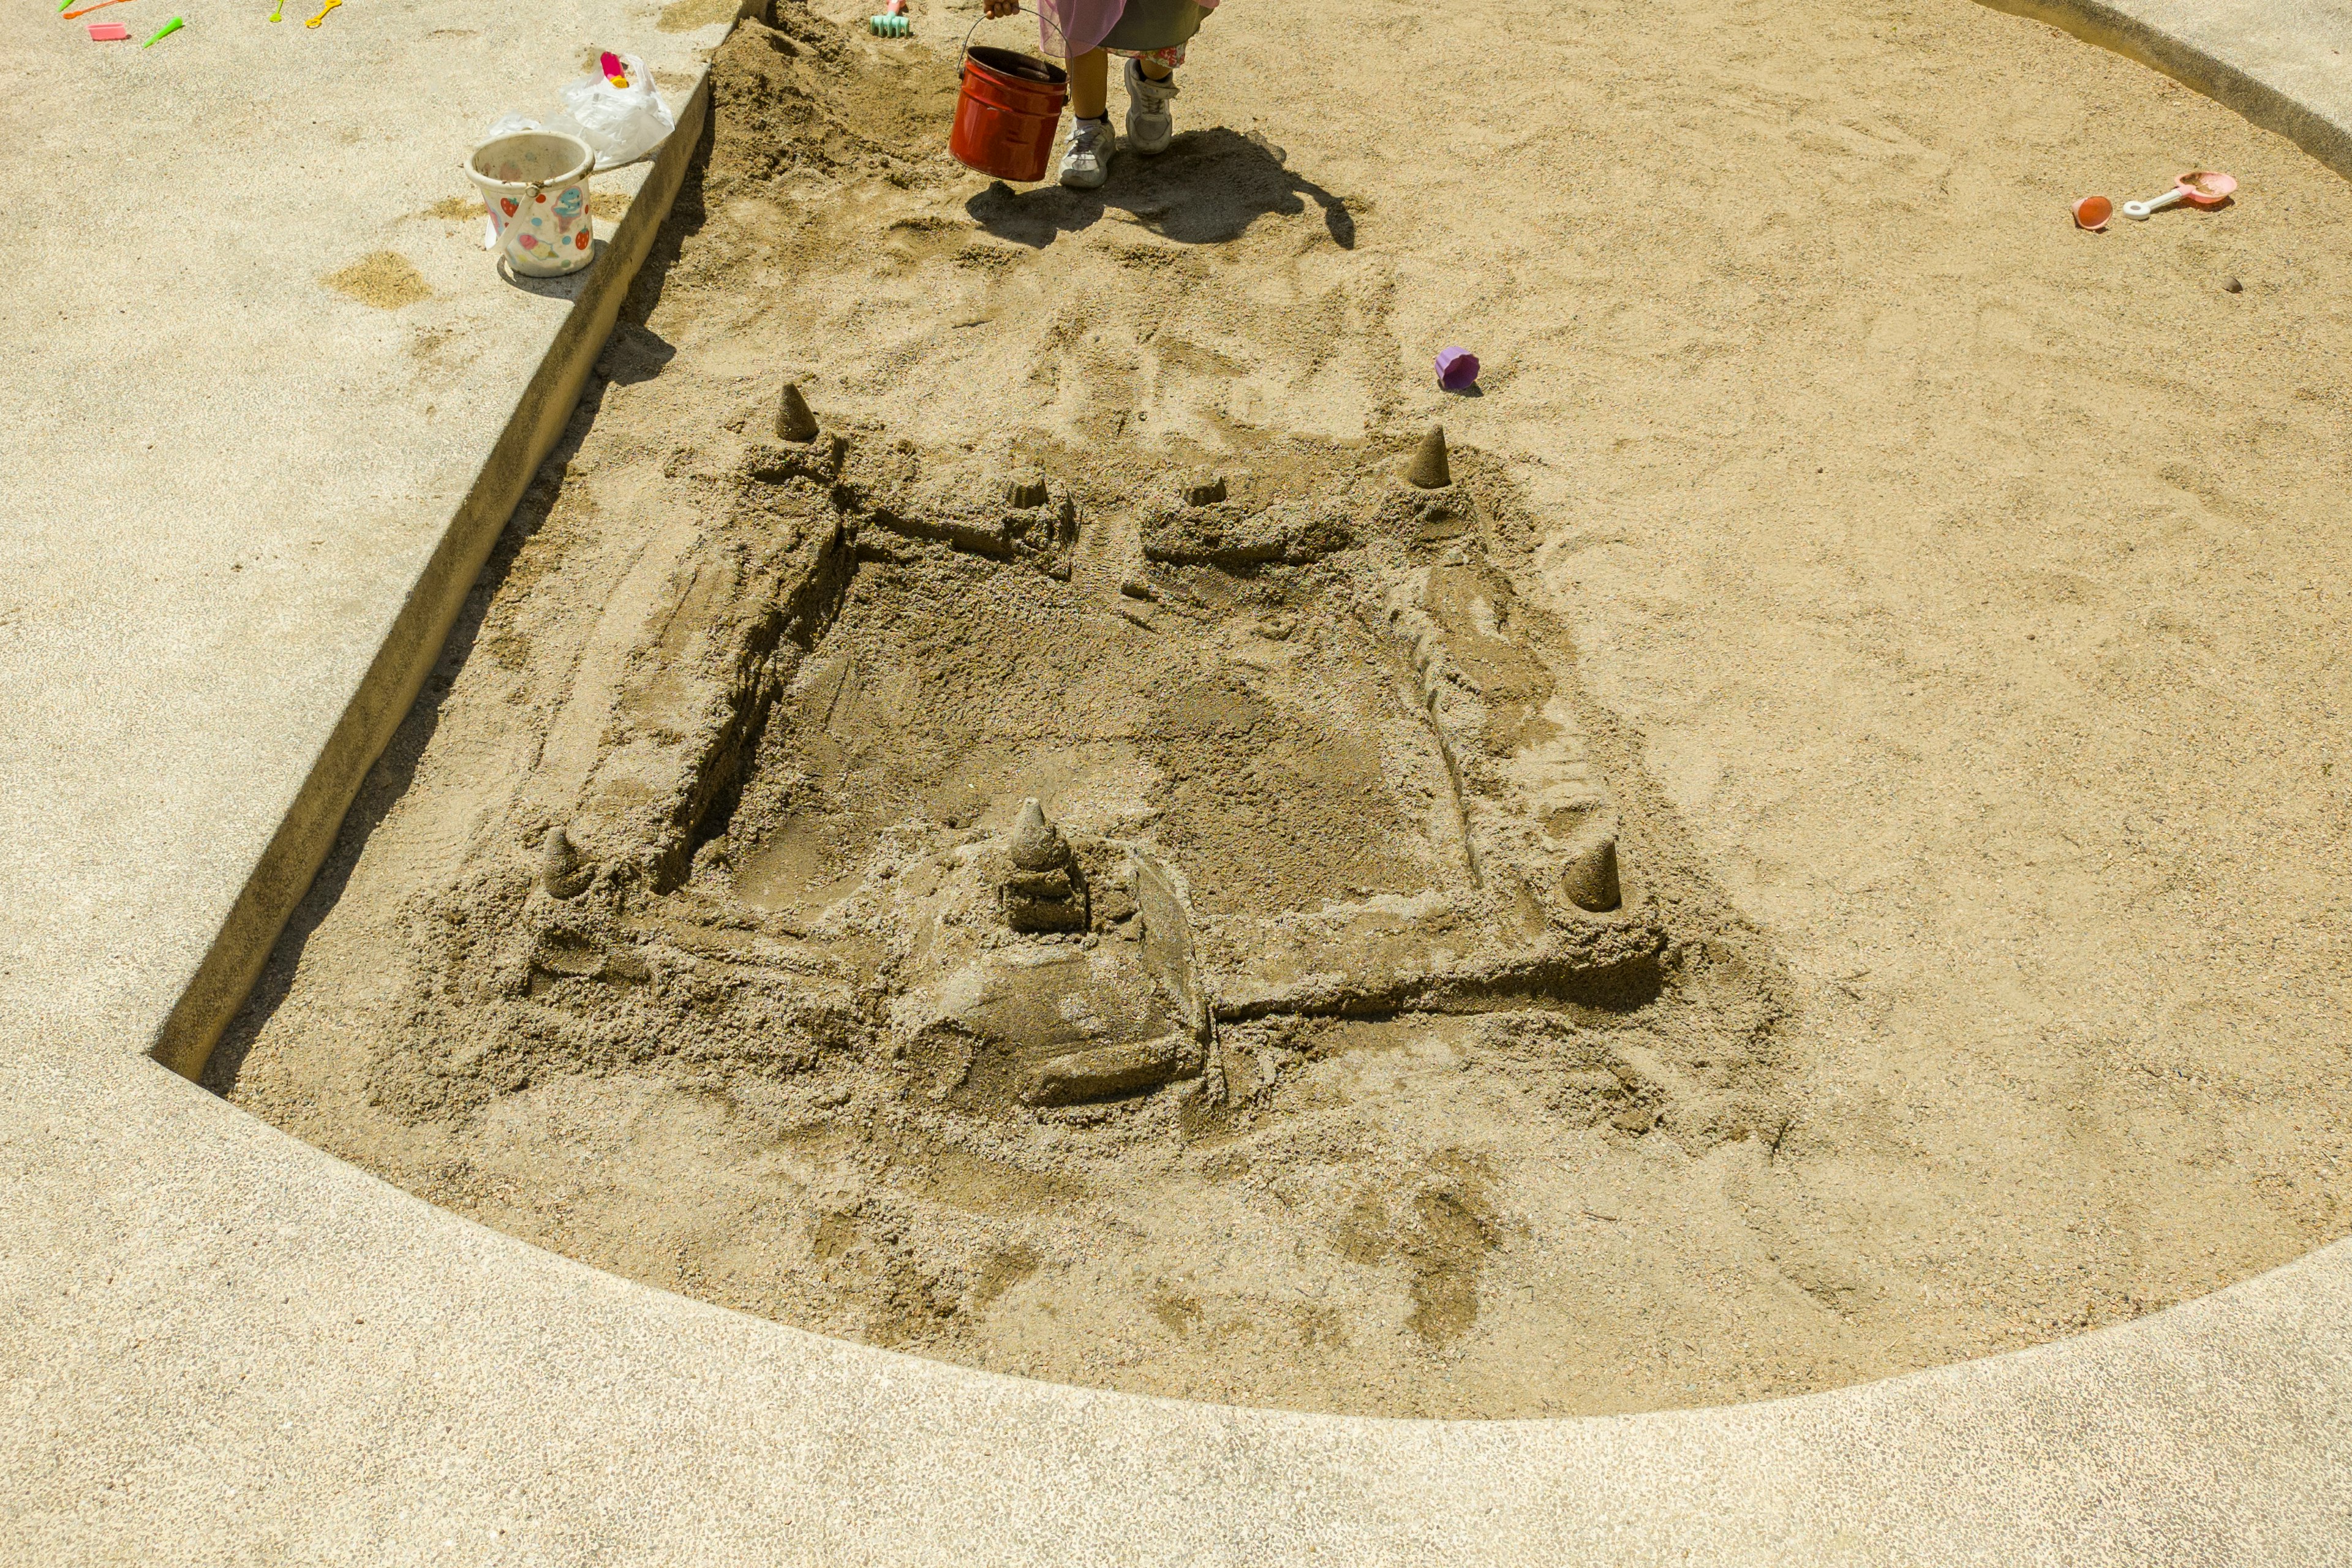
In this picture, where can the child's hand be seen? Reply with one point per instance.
(1003, 7)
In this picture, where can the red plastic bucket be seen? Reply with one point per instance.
(1007, 110)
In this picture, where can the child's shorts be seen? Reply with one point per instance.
(1157, 29)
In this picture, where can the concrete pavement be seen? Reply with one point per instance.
(239, 506)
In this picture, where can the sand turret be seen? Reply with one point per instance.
(1043, 891)
(562, 870)
(1429, 470)
(794, 420)
(1589, 876)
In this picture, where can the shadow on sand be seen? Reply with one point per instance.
(1207, 188)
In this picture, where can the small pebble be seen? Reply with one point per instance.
(2231, 286)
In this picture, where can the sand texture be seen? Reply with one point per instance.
(1818, 854)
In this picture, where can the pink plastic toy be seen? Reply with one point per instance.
(2199, 188)
(1456, 369)
(109, 33)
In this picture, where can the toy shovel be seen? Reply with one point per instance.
(2199, 188)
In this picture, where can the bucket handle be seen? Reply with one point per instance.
(1016, 11)
(499, 220)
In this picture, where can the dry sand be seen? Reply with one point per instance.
(1960, 645)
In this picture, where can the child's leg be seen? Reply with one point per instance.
(1090, 85)
(1150, 88)
(1086, 163)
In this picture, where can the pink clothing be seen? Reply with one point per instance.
(1171, 57)
(1068, 29)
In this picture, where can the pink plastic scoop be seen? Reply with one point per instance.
(2199, 188)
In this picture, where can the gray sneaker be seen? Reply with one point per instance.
(1086, 162)
(1149, 126)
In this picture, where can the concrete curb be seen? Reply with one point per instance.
(302, 840)
(2229, 53)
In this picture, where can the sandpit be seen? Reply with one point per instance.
(1077, 865)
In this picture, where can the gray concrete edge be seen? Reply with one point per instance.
(281, 876)
(2195, 67)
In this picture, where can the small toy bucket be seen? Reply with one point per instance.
(1007, 110)
(536, 188)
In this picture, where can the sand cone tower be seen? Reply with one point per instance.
(1590, 876)
(1044, 891)
(1428, 469)
(561, 871)
(794, 420)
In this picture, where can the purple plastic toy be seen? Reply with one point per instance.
(1456, 369)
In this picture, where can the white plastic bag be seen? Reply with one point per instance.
(622, 123)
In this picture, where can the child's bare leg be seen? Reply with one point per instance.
(1086, 163)
(1090, 85)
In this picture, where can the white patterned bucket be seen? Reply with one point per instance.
(535, 185)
